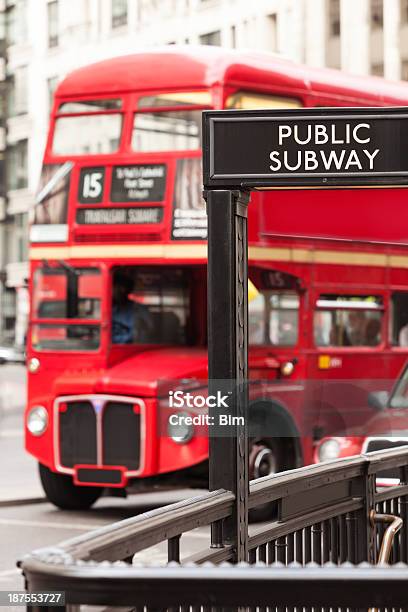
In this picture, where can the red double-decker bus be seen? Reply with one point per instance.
(118, 277)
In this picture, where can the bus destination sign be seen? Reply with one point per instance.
(305, 147)
(119, 216)
(138, 183)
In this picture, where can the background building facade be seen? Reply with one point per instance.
(42, 40)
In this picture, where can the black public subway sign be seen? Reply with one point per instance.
(305, 147)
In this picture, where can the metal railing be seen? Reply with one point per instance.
(323, 514)
(245, 588)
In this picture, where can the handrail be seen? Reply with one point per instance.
(217, 587)
(395, 523)
(123, 539)
(322, 514)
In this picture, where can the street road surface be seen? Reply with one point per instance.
(25, 525)
(24, 528)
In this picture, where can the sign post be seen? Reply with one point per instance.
(227, 353)
(257, 150)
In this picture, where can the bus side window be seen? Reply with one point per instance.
(346, 320)
(399, 319)
(274, 318)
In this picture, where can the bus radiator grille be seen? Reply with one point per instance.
(77, 434)
(116, 441)
(121, 435)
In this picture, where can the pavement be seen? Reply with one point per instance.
(18, 478)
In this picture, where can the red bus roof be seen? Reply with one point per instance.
(194, 67)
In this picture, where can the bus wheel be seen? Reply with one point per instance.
(264, 460)
(61, 491)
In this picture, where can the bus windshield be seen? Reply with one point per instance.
(87, 127)
(167, 131)
(62, 294)
(169, 122)
(150, 305)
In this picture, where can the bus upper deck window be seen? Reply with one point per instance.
(347, 320)
(168, 121)
(88, 127)
(167, 131)
(249, 100)
(89, 106)
(174, 99)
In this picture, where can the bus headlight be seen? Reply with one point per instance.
(287, 368)
(180, 428)
(329, 449)
(33, 365)
(37, 420)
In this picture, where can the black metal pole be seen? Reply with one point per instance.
(228, 353)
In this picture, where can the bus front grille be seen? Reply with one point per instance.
(121, 435)
(99, 431)
(77, 434)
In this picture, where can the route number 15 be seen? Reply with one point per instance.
(91, 185)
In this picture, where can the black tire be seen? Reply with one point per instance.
(268, 453)
(61, 491)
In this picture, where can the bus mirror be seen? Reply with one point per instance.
(378, 399)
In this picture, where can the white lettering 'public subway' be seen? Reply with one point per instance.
(320, 160)
(321, 134)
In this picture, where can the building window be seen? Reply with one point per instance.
(377, 16)
(119, 13)
(52, 83)
(404, 11)
(3, 34)
(18, 92)
(16, 23)
(8, 307)
(377, 69)
(233, 37)
(52, 10)
(17, 166)
(212, 38)
(272, 32)
(21, 236)
(334, 18)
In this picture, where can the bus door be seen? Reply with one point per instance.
(347, 360)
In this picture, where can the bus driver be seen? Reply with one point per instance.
(131, 321)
